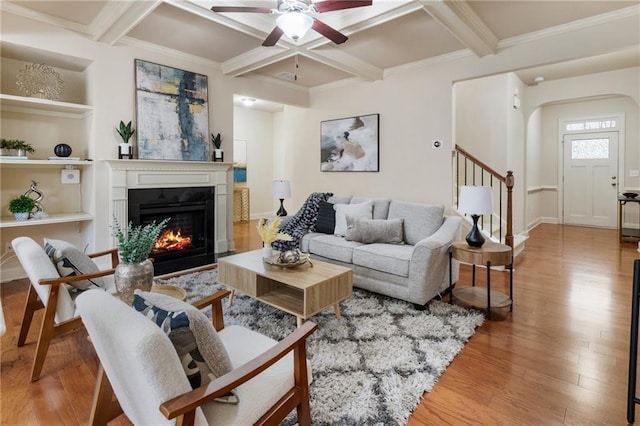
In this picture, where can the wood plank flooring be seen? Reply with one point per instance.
(560, 358)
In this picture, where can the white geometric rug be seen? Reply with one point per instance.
(372, 365)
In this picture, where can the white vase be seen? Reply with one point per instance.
(267, 251)
(21, 217)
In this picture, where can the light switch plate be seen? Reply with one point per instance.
(70, 176)
(634, 173)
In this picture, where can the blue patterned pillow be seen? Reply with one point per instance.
(202, 354)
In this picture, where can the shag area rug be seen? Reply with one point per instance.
(372, 365)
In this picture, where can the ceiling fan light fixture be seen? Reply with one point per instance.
(294, 24)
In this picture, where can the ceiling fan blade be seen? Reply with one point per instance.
(329, 5)
(333, 35)
(224, 9)
(273, 37)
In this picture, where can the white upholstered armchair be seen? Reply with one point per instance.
(144, 370)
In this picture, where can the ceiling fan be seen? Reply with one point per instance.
(295, 18)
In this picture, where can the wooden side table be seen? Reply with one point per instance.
(490, 254)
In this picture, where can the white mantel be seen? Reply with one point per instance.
(142, 174)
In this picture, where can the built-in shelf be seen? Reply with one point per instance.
(10, 222)
(7, 163)
(43, 106)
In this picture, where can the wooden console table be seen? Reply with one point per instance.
(627, 232)
(490, 254)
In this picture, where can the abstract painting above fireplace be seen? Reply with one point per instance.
(188, 239)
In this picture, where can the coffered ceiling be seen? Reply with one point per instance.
(388, 34)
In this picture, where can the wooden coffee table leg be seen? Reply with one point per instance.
(336, 309)
(299, 322)
(231, 298)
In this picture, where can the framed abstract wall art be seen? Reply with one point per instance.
(350, 144)
(172, 113)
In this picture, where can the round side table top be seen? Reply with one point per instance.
(170, 290)
(497, 254)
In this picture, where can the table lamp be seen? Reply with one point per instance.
(281, 189)
(476, 201)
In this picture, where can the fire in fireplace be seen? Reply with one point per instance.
(188, 239)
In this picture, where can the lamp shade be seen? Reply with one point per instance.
(294, 24)
(475, 200)
(281, 189)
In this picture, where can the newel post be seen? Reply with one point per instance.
(509, 181)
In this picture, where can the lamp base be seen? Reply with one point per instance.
(281, 211)
(475, 238)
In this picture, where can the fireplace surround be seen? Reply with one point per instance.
(176, 179)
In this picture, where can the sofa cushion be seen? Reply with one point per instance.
(420, 220)
(369, 231)
(201, 352)
(326, 220)
(391, 258)
(363, 210)
(380, 206)
(334, 199)
(333, 247)
(71, 261)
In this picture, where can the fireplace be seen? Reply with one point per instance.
(188, 239)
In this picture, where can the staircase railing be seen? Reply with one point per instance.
(469, 170)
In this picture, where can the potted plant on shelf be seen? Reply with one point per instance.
(21, 207)
(15, 147)
(135, 270)
(270, 232)
(125, 149)
(218, 153)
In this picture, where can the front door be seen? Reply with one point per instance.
(591, 179)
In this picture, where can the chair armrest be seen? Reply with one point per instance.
(215, 301)
(187, 403)
(111, 252)
(74, 278)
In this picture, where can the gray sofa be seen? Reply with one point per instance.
(409, 262)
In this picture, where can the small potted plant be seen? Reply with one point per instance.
(218, 153)
(135, 270)
(125, 149)
(15, 147)
(21, 207)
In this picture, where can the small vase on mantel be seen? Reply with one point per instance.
(131, 276)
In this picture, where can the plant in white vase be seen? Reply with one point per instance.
(125, 149)
(21, 206)
(218, 154)
(269, 232)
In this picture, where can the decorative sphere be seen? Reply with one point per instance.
(290, 256)
(62, 150)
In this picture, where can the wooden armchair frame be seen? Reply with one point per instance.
(48, 328)
(105, 406)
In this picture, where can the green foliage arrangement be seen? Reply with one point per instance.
(135, 245)
(21, 204)
(216, 140)
(16, 144)
(125, 131)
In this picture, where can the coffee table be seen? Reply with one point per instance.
(302, 291)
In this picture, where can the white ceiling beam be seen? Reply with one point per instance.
(254, 59)
(122, 18)
(338, 59)
(464, 24)
(15, 9)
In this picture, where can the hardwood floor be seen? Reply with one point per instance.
(561, 357)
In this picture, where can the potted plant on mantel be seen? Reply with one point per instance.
(135, 270)
(218, 153)
(21, 207)
(15, 148)
(125, 149)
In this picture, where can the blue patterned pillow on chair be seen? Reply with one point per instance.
(202, 354)
(70, 261)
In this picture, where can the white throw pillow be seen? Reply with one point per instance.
(363, 210)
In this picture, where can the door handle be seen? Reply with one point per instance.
(614, 184)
